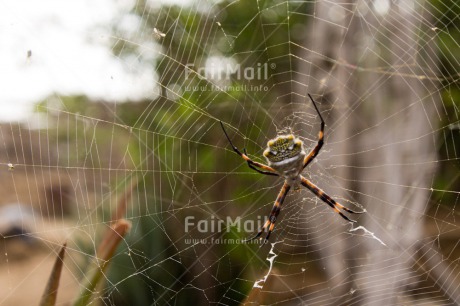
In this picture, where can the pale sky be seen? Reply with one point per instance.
(70, 53)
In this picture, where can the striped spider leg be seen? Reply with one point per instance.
(286, 157)
(270, 223)
(328, 200)
(309, 158)
(252, 164)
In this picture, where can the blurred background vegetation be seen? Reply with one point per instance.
(172, 145)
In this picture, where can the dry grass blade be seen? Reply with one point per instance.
(122, 206)
(105, 253)
(51, 290)
(107, 247)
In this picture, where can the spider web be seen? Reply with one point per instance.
(385, 77)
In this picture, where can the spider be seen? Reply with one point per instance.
(286, 158)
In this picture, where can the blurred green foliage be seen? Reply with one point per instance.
(446, 26)
(177, 127)
(176, 144)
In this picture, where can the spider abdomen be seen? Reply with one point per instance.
(285, 154)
